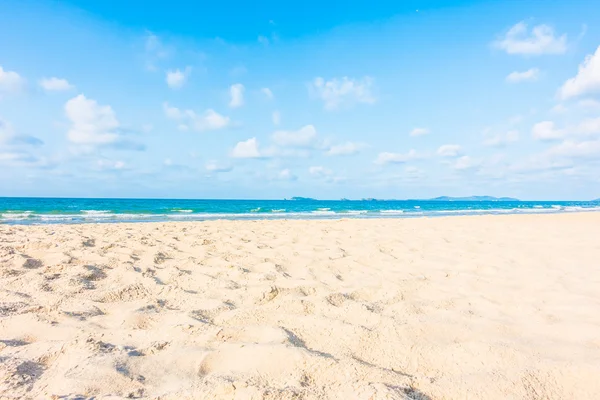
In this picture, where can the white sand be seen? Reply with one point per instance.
(486, 307)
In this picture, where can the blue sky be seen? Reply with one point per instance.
(330, 99)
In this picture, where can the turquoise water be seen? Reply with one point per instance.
(63, 210)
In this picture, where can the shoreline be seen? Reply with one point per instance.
(58, 219)
(494, 307)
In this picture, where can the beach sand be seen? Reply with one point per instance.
(481, 307)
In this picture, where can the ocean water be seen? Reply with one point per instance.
(14, 210)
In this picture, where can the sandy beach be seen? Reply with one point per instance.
(482, 307)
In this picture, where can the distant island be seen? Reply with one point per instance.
(301, 199)
(473, 198)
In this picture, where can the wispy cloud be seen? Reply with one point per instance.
(531, 74)
(338, 92)
(188, 119)
(540, 40)
(236, 92)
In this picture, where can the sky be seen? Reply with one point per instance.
(328, 99)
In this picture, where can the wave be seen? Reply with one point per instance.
(355, 212)
(104, 216)
(182, 211)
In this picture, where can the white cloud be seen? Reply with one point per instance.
(419, 132)
(464, 162)
(10, 82)
(587, 79)
(345, 91)
(213, 166)
(276, 117)
(303, 137)
(177, 78)
(546, 130)
(22, 159)
(237, 95)
(541, 40)
(207, 121)
(246, 149)
(91, 123)
(589, 104)
(573, 149)
(449, 150)
(267, 92)
(173, 112)
(110, 165)
(395, 158)
(319, 171)
(344, 149)
(10, 138)
(502, 139)
(286, 175)
(55, 84)
(588, 127)
(529, 75)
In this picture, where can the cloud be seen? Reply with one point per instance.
(267, 92)
(20, 158)
(541, 40)
(286, 175)
(91, 123)
(10, 82)
(246, 149)
(8, 137)
(154, 51)
(464, 163)
(55, 84)
(587, 79)
(573, 149)
(213, 166)
(589, 104)
(110, 165)
(207, 121)
(558, 109)
(395, 158)
(237, 95)
(177, 78)
(449, 150)
(588, 127)
(502, 139)
(344, 149)
(276, 117)
(546, 130)
(345, 91)
(304, 137)
(319, 171)
(419, 132)
(531, 74)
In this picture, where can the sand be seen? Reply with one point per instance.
(483, 307)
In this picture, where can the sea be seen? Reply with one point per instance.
(27, 210)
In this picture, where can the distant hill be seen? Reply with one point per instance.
(474, 198)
